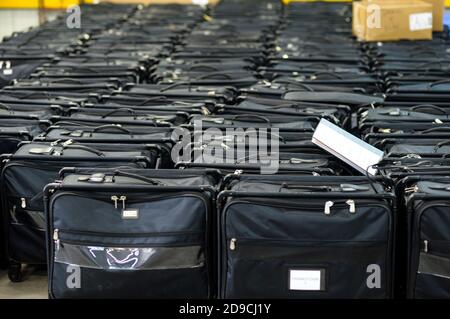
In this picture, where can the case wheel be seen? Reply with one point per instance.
(15, 272)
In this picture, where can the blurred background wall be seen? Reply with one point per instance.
(19, 15)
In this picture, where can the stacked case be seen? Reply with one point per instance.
(104, 177)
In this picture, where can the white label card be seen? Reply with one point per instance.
(420, 21)
(347, 147)
(130, 214)
(305, 280)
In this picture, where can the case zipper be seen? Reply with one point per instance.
(412, 189)
(352, 206)
(280, 242)
(23, 202)
(327, 208)
(116, 199)
(123, 199)
(57, 239)
(420, 210)
(438, 246)
(233, 244)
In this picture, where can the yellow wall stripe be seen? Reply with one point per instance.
(49, 4)
(58, 4)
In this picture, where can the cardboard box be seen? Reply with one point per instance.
(391, 20)
(438, 14)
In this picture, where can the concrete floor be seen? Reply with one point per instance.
(34, 285)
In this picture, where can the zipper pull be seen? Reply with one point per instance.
(327, 209)
(114, 198)
(23, 202)
(67, 143)
(205, 111)
(413, 189)
(352, 205)
(55, 143)
(425, 246)
(123, 199)
(56, 239)
(233, 244)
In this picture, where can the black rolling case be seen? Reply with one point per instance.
(148, 235)
(113, 134)
(24, 176)
(305, 237)
(428, 203)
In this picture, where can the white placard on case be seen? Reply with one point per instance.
(305, 280)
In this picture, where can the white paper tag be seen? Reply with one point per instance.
(347, 147)
(420, 21)
(305, 279)
(130, 213)
(7, 71)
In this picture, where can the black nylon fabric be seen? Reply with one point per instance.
(333, 97)
(157, 220)
(26, 180)
(18, 71)
(431, 287)
(166, 177)
(107, 284)
(268, 276)
(8, 144)
(164, 252)
(98, 110)
(294, 231)
(430, 244)
(298, 224)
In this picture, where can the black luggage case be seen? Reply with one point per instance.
(113, 134)
(24, 176)
(427, 203)
(305, 237)
(149, 234)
